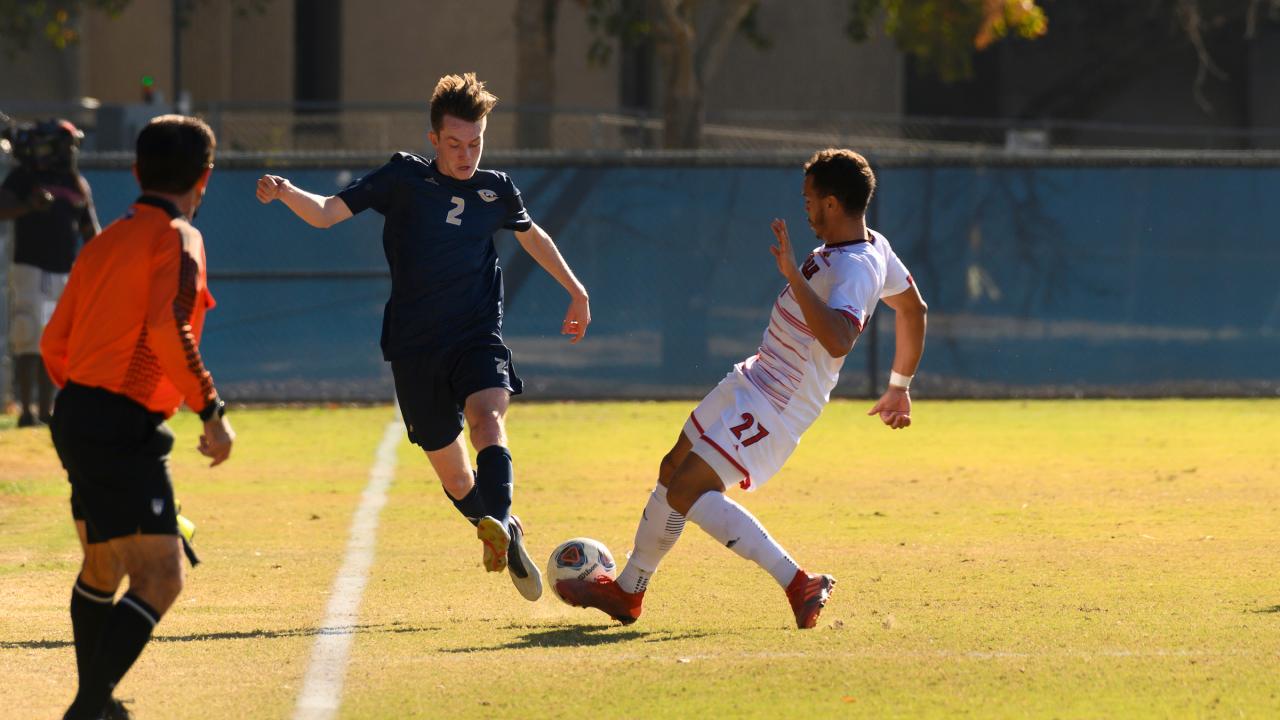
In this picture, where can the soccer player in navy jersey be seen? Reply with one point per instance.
(442, 327)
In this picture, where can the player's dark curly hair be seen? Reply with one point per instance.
(462, 96)
(845, 175)
(173, 152)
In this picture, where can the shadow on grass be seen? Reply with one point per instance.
(237, 635)
(579, 636)
(1267, 611)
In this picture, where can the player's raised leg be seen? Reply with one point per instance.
(697, 491)
(485, 411)
(453, 467)
(500, 531)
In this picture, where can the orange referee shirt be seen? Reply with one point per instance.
(130, 318)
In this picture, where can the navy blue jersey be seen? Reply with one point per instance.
(446, 286)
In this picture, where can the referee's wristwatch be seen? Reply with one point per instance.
(214, 408)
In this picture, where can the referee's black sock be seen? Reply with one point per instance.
(127, 631)
(90, 608)
(471, 505)
(494, 479)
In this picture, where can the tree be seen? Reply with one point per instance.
(944, 34)
(692, 39)
(23, 20)
(1197, 17)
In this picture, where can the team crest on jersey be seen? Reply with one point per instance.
(157, 506)
(487, 195)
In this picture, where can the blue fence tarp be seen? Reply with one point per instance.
(1041, 281)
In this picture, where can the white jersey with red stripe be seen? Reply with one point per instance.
(792, 370)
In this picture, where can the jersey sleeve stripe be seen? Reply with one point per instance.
(183, 306)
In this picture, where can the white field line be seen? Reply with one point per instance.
(322, 687)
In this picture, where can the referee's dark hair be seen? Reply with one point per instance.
(173, 152)
(845, 175)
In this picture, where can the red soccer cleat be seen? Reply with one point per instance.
(603, 594)
(808, 594)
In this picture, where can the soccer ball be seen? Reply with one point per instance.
(579, 559)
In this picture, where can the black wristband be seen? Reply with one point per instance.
(212, 408)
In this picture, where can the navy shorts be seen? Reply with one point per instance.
(432, 388)
(116, 453)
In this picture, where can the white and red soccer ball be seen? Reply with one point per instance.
(579, 559)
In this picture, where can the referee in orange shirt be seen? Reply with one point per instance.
(123, 344)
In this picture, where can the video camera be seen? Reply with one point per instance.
(48, 145)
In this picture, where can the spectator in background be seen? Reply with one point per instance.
(52, 209)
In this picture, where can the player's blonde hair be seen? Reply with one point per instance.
(844, 175)
(462, 96)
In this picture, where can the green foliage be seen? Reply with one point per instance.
(944, 34)
(22, 20)
(626, 20)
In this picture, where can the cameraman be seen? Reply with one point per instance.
(52, 209)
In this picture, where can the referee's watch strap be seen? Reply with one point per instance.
(214, 408)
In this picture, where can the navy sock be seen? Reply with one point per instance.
(126, 632)
(90, 609)
(494, 478)
(471, 506)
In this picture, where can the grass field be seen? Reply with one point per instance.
(998, 559)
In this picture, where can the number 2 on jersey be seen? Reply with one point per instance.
(747, 421)
(455, 215)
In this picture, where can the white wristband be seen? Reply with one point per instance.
(900, 380)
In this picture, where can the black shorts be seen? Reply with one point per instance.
(116, 453)
(432, 388)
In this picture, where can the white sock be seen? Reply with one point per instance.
(739, 530)
(659, 528)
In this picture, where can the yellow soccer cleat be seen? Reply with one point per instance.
(186, 531)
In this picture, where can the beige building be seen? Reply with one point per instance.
(245, 64)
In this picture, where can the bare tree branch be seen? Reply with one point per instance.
(711, 54)
(1188, 13)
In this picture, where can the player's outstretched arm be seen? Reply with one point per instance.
(910, 321)
(539, 245)
(833, 330)
(317, 210)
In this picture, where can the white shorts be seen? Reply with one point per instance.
(33, 294)
(738, 433)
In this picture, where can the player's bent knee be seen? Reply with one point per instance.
(667, 470)
(458, 485)
(486, 432)
(685, 489)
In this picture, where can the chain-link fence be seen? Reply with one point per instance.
(286, 127)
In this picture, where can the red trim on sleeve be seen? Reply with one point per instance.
(852, 318)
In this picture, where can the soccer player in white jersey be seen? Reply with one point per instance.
(744, 429)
